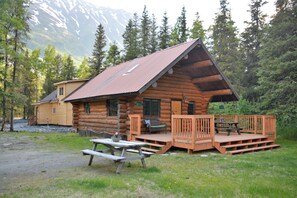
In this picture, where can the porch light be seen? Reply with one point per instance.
(186, 57)
(155, 84)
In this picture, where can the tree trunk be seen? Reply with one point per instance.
(13, 80)
(4, 85)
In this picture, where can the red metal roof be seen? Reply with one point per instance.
(133, 76)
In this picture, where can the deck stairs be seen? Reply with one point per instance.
(153, 145)
(248, 145)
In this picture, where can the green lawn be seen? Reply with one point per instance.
(262, 174)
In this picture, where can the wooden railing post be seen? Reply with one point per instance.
(255, 124)
(263, 125)
(194, 133)
(135, 125)
(212, 128)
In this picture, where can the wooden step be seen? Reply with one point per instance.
(253, 149)
(246, 144)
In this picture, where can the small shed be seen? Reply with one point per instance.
(180, 80)
(52, 109)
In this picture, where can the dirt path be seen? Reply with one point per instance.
(22, 158)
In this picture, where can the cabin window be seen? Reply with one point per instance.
(87, 107)
(191, 108)
(112, 107)
(151, 107)
(54, 110)
(61, 91)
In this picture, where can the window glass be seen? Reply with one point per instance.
(61, 91)
(54, 110)
(112, 107)
(191, 108)
(151, 107)
(87, 107)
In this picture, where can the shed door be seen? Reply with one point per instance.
(176, 107)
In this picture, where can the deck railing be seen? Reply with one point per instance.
(190, 129)
(257, 124)
(135, 125)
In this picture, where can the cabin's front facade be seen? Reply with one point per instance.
(52, 109)
(178, 81)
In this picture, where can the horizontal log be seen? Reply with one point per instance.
(200, 64)
(102, 126)
(100, 121)
(206, 79)
(218, 92)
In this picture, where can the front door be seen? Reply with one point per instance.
(176, 107)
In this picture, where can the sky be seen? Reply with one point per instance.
(206, 9)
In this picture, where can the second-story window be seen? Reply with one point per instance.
(61, 91)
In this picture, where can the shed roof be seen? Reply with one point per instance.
(49, 98)
(135, 76)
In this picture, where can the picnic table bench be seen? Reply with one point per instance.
(122, 146)
(228, 127)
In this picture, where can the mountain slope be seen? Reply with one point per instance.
(70, 25)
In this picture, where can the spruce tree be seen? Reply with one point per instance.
(57, 68)
(49, 60)
(225, 45)
(251, 42)
(164, 34)
(38, 67)
(145, 27)
(175, 33)
(130, 39)
(113, 55)
(27, 80)
(84, 70)
(277, 75)
(197, 30)
(96, 61)
(183, 26)
(68, 70)
(179, 33)
(153, 36)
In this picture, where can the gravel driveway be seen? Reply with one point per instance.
(22, 125)
(24, 160)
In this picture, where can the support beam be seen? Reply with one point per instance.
(207, 79)
(218, 92)
(200, 64)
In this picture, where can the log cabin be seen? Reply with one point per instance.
(182, 79)
(52, 109)
(173, 86)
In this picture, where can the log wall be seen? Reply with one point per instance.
(171, 86)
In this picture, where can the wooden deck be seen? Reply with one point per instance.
(223, 137)
(197, 132)
(232, 144)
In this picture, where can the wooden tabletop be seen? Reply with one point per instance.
(121, 143)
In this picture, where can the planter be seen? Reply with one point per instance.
(116, 138)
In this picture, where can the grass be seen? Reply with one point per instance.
(262, 174)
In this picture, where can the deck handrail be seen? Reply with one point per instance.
(192, 128)
(257, 124)
(135, 125)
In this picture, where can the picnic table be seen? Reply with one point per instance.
(228, 127)
(123, 147)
